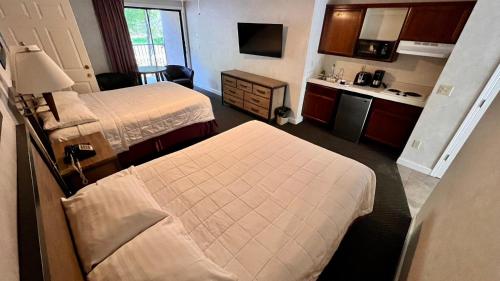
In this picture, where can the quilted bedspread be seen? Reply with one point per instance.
(261, 203)
(132, 115)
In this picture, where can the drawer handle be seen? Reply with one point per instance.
(243, 86)
(260, 91)
(254, 110)
(255, 100)
(231, 91)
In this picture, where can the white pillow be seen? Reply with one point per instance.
(105, 215)
(72, 112)
(163, 252)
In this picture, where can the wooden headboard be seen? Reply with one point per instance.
(46, 250)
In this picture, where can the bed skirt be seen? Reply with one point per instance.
(169, 142)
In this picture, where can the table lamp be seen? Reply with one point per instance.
(36, 75)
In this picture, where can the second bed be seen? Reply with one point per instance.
(260, 203)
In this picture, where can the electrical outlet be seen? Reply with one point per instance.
(445, 90)
(416, 144)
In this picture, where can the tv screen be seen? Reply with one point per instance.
(261, 39)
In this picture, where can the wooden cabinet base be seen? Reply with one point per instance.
(320, 103)
(391, 123)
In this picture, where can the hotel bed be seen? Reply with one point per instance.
(131, 116)
(252, 203)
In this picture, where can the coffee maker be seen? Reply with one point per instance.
(378, 76)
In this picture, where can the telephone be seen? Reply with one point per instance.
(78, 152)
(74, 153)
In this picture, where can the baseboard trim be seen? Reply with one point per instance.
(211, 90)
(296, 120)
(414, 166)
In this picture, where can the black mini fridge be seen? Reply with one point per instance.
(351, 116)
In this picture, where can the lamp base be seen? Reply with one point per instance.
(52, 105)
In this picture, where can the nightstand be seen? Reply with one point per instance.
(103, 164)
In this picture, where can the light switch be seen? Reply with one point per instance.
(445, 90)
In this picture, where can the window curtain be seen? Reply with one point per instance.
(111, 18)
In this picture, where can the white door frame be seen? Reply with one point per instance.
(477, 111)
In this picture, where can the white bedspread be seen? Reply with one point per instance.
(132, 115)
(261, 203)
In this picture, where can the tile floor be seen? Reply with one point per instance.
(417, 187)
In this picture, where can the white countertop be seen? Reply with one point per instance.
(379, 92)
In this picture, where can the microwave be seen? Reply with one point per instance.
(375, 49)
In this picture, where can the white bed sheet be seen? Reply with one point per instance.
(132, 115)
(261, 203)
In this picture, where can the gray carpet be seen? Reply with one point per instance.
(371, 249)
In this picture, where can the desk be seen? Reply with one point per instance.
(156, 70)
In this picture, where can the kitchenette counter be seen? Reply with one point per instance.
(382, 93)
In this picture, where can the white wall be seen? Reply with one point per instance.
(8, 196)
(460, 233)
(469, 67)
(213, 38)
(407, 69)
(91, 34)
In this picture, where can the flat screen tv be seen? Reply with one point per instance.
(261, 39)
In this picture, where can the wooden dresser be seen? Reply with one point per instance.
(253, 93)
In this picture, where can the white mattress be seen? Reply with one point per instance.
(132, 115)
(261, 203)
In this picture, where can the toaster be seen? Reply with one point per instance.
(363, 78)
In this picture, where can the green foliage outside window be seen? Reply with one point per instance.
(138, 26)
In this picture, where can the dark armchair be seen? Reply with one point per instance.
(180, 74)
(112, 81)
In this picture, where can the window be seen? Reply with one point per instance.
(157, 36)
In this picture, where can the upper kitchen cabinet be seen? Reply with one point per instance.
(341, 28)
(383, 24)
(436, 22)
(380, 33)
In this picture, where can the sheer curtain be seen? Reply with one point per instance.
(111, 17)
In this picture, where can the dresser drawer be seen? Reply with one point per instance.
(262, 91)
(244, 85)
(233, 100)
(256, 109)
(228, 90)
(257, 100)
(229, 81)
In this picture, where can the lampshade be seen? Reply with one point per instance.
(36, 73)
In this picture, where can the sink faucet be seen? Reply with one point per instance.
(339, 74)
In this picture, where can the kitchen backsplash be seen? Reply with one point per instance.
(407, 69)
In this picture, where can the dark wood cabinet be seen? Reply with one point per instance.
(341, 29)
(391, 123)
(320, 103)
(436, 22)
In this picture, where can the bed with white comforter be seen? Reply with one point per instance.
(132, 115)
(261, 203)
